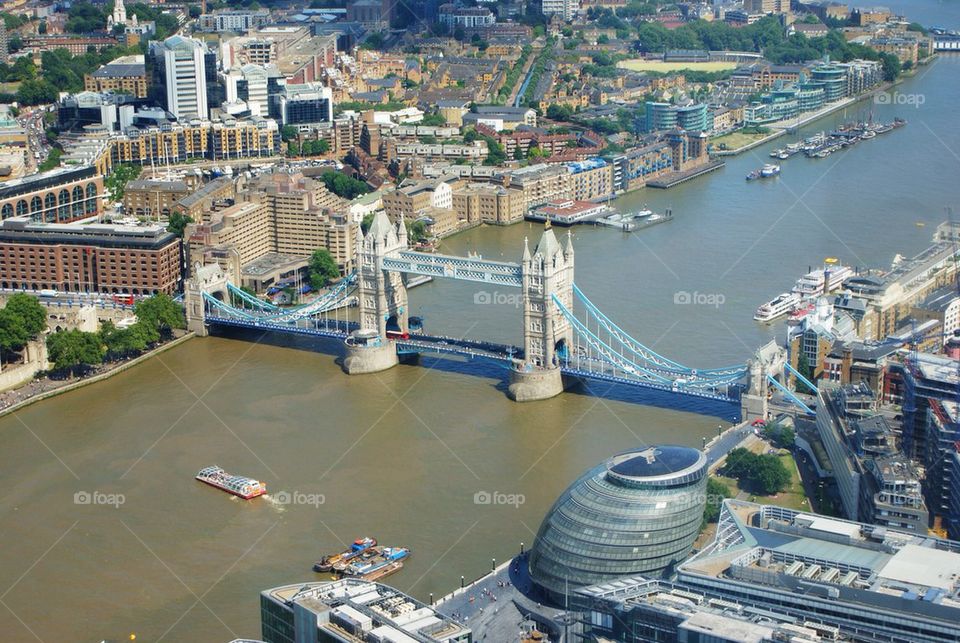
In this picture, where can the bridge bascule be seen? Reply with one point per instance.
(565, 336)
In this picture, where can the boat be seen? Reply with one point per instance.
(769, 170)
(823, 280)
(241, 486)
(779, 305)
(776, 153)
(360, 545)
(375, 563)
(753, 175)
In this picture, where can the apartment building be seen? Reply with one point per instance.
(489, 203)
(125, 75)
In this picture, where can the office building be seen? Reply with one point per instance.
(181, 62)
(840, 578)
(637, 513)
(137, 260)
(352, 611)
(305, 105)
(58, 196)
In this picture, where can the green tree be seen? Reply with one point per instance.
(13, 331)
(30, 310)
(177, 222)
(366, 222)
(120, 343)
(764, 474)
(781, 436)
(416, 231)
(716, 492)
(344, 186)
(117, 180)
(73, 349)
(322, 267)
(804, 368)
(288, 132)
(160, 314)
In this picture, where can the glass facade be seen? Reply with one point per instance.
(637, 513)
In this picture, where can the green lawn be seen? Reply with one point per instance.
(792, 498)
(735, 140)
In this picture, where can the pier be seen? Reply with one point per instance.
(676, 178)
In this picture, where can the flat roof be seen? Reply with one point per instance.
(924, 566)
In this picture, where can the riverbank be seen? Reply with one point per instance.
(39, 390)
(782, 127)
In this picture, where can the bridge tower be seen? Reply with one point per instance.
(547, 334)
(210, 279)
(767, 361)
(382, 299)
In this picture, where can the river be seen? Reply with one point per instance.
(401, 455)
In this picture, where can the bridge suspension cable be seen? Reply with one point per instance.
(610, 345)
(665, 364)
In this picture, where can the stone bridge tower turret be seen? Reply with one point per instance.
(547, 334)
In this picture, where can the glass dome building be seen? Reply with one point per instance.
(637, 513)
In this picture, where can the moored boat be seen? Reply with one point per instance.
(360, 545)
(776, 307)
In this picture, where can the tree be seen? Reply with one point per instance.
(117, 180)
(436, 120)
(30, 310)
(343, 185)
(366, 222)
(177, 222)
(13, 331)
(417, 231)
(764, 474)
(805, 369)
(288, 132)
(71, 349)
(323, 269)
(781, 436)
(160, 315)
(716, 492)
(123, 342)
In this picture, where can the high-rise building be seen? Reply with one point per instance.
(184, 76)
(566, 9)
(306, 104)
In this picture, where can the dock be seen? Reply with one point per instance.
(635, 221)
(676, 178)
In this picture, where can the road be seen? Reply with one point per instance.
(38, 148)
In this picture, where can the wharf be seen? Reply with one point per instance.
(676, 178)
(502, 603)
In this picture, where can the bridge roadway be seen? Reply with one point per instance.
(441, 344)
(335, 329)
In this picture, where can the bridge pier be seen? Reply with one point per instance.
(369, 358)
(535, 384)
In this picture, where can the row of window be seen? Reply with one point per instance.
(71, 204)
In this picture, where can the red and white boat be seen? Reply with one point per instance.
(241, 486)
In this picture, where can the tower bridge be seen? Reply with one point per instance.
(566, 337)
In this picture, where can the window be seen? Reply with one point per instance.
(36, 204)
(7, 211)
